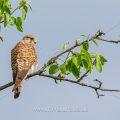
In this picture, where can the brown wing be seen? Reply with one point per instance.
(13, 62)
(23, 56)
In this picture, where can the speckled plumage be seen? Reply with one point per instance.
(23, 58)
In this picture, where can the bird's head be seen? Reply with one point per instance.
(30, 39)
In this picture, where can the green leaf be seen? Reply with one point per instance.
(95, 41)
(103, 59)
(76, 42)
(75, 71)
(63, 68)
(85, 46)
(68, 65)
(1, 18)
(79, 60)
(93, 55)
(7, 3)
(24, 12)
(98, 64)
(1, 38)
(7, 10)
(99, 61)
(6, 19)
(1, 4)
(84, 35)
(19, 24)
(30, 7)
(22, 3)
(75, 67)
(53, 69)
(87, 61)
(86, 56)
(85, 65)
(60, 75)
(12, 20)
(65, 46)
(75, 61)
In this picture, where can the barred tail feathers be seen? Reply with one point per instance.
(17, 89)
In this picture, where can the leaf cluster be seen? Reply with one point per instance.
(81, 60)
(7, 17)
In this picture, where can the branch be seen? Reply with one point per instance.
(15, 10)
(81, 84)
(110, 41)
(83, 76)
(6, 86)
(97, 89)
(41, 72)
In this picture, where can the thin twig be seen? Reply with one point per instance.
(15, 10)
(67, 57)
(84, 75)
(110, 41)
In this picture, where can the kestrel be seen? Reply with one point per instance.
(23, 61)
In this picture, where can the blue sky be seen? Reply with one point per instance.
(55, 22)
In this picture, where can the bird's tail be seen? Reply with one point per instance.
(18, 82)
(16, 93)
(17, 89)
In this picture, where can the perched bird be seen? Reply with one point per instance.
(23, 61)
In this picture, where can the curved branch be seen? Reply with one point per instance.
(62, 79)
(79, 83)
(41, 72)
